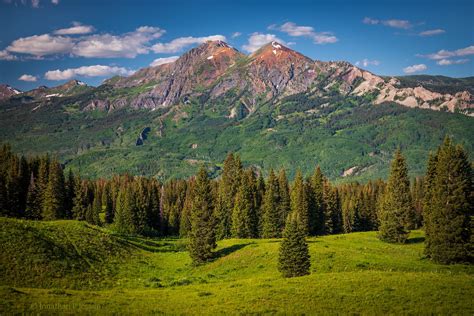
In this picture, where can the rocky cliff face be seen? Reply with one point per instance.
(269, 74)
(215, 71)
(6, 91)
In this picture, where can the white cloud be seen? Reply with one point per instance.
(5, 55)
(77, 28)
(432, 32)
(87, 71)
(55, 2)
(164, 60)
(292, 29)
(41, 45)
(366, 62)
(257, 40)
(414, 68)
(236, 34)
(444, 54)
(28, 78)
(35, 3)
(128, 45)
(447, 62)
(399, 24)
(179, 43)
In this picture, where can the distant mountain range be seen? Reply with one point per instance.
(214, 99)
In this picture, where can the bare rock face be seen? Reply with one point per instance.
(214, 69)
(6, 91)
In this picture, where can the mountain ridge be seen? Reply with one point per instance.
(214, 69)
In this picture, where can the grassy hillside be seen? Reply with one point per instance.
(336, 133)
(354, 273)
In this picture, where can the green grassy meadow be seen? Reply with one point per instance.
(69, 267)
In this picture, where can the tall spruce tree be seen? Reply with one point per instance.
(299, 202)
(244, 217)
(229, 185)
(202, 237)
(294, 258)
(317, 207)
(53, 202)
(271, 213)
(284, 204)
(33, 203)
(396, 205)
(448, 227)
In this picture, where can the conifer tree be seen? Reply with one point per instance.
(284, 198)
(396, 205)
(185, 222)
(299, 202)
(202, 237)
(230, 182)
(33, 203)
(259, 195)
(107, 205)
(271, 213)
(332, 210)
(53, 203)
(294, 258)
(69, 194)
(81, 200)
(317, 211)
(244, 217)
(450, 186)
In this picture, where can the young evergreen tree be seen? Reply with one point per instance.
(299, 202)
(332, 210)
(185, 222)
(202, 237)
(53, 202)
(271, 213)
(107, 205)
(259, 196)
(449, 228)
(294, 258)
(69, 194)
(396, 205)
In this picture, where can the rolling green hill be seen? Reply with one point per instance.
(298, 133)
(71, 267)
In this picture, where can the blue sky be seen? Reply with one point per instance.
(46, 42)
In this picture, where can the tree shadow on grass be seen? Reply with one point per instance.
(415, 240)
(228, 250)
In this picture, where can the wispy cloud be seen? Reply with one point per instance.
(294, 30)
(366, 62)
(164, 60)
(447, 62)
(414, 68)
(77, 28)
(445, 54)
(178, 44)
(28, 78)
(399, 24)
(5, 55)
(432, 32)
(257, 40)
(236, 34)
(41, 45)
(86, 71)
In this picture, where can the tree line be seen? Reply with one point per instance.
(241, 203)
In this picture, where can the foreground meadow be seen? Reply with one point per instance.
(72, 267)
